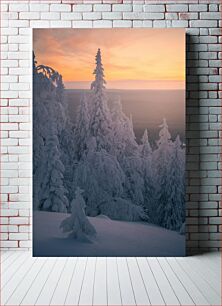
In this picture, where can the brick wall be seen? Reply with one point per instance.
(202, 21)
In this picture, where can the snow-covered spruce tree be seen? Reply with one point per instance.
(41, 90)
(100, 121)
(125, 148)
(60, 108)
(82, 129)
(53, 191)
(78, 224)
(149, 186)
(46, 127)
(101, 176)
(124, 140)
(168, 208)
(179, 179)
(68, 158)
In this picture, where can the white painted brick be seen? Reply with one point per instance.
(215, 63)
(162, 23)
(177, 8)
(102, 7)
(24, 63)
(19, 39)
(171, 16)
(9, 244)
(207, 15)
(122, 23)
(24, 79)
(8, 142)
(9, 228)
(9, 189)
(24, 229)
(203, 23)
(154, 8)
(139, 23)
(4, 220)
(18, 55)
(9, 173)
(82, 24)
(122, 8)
(9, 126)
(180, 23)
(4, 55)
(19, 102)
(214, 47)
(112, 15)
(19, 71)
(18, 7)
(60, 8)
(19, 118)
(4, 48)
(137, 7)
(82, 8)
(187, 16)
(135, 15)
(18, 236)
(9, 94)
(197, 7)
(9, 63)
(71, 16)
(9, 15)
(4, 39)
(4, 102)
(18, 23)
(24, 212)
(208, 39)
(92, 15)
(213, 7)
(25, 47)
(4, 7)
(147, 24)
(102, 23)
(3, 71)
(9, 31)
(25, 244)
(13, 47)
(51, 16)
(19, 86)
(18, 150)
(40, 24)
(60, 24)
(39, 7)
(4, 236)
(24, 126)
(4, 198)
(29, 15)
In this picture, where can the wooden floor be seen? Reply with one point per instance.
(110, 281)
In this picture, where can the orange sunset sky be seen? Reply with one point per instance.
(132, 58)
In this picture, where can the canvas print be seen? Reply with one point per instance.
(108, 142)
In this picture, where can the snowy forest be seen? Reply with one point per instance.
(97, 166)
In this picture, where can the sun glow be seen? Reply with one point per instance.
(132, 58)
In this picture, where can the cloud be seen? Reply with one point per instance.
(126, 53)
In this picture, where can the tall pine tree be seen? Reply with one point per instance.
(100, 121)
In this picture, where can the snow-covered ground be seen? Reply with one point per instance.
(114, 238)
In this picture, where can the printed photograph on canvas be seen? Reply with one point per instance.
(109, 142)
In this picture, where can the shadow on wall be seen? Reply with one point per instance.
(193, 172)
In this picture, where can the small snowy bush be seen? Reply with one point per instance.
(78, 224)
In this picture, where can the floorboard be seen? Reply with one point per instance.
(27, 280)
